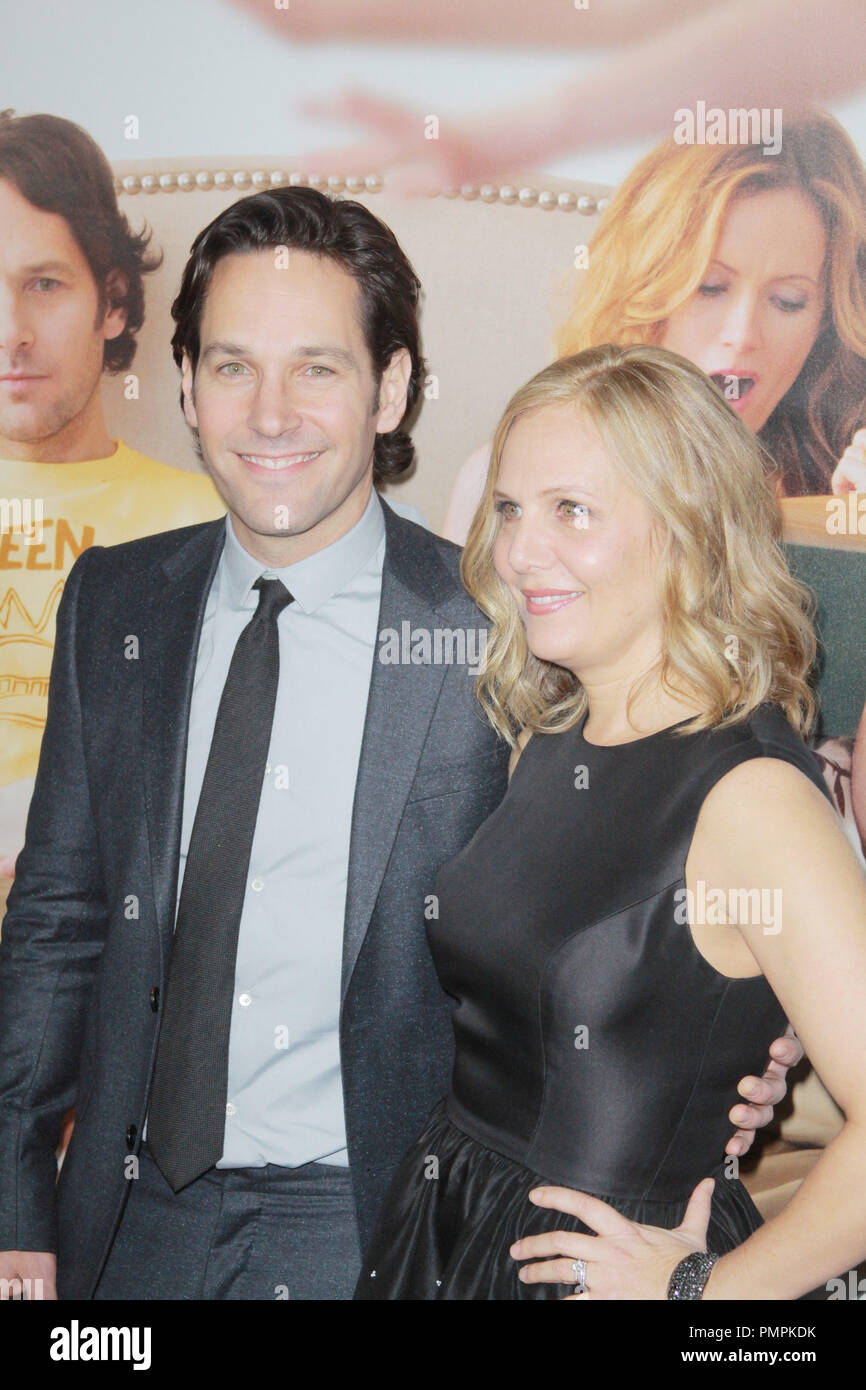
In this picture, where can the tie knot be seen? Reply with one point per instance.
(273, 598)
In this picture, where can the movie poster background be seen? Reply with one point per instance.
(199, 103)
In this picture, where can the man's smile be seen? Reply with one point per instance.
(278, 463)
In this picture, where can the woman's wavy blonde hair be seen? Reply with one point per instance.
(656, 240)
(736, 625)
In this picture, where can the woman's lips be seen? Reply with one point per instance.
(736, 387)
(541, 601)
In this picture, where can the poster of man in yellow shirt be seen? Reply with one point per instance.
(71, 302)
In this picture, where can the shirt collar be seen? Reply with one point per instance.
(317, 578)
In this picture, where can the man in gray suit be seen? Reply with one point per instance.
(215, 943)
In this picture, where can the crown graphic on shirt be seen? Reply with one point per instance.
(25, 658)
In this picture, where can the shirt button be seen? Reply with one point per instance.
(257, 885)
(245, 1000)
(231, 1109)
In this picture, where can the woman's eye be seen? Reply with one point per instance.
(503, 506)
(789, 306)
(45, 283)
(575, 511)
(711, 290)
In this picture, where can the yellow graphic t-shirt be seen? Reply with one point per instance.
(49, 514)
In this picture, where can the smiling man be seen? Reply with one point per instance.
(216, 938)
(288, 425)
(71, 303)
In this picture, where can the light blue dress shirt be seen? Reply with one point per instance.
(285, 1099)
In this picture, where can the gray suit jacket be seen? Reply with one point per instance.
(87, 935)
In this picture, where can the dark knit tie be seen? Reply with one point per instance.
(187, 1111)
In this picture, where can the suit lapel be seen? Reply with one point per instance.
(415, 588)
(400, 707)
(176, 604)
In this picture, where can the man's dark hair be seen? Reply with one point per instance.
(59, 168)
(303, 219)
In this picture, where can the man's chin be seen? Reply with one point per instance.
(34, 432)
(282, 521)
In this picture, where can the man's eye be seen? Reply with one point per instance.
(45, 282)
(317, 368)
(232, 369)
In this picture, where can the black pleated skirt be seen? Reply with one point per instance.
(455, 1207)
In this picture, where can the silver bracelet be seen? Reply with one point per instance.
(690, 1277)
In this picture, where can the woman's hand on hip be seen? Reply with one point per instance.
(624, 1259)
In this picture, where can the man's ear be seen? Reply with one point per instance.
(393, 390)
(186, 386)
(116, 288)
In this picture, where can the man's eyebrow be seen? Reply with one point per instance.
(337, 354)
(41, 267)
(221, 348)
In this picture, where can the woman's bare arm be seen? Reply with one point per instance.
(559, 23)
(765, 823)
(774, 54)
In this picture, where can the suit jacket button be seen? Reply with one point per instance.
(131, 1135)
(154, 998)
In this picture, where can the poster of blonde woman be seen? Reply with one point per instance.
(432, 752)
(750, 260)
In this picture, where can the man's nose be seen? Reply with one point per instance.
(16, 331)
(274, 409)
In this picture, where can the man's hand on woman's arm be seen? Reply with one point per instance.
(763, 1093)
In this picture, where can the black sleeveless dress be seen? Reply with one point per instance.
(596, 1048)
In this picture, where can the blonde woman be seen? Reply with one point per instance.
(754, 267)
(663, 883)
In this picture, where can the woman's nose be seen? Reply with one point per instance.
(741, 327)
(529, 548)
